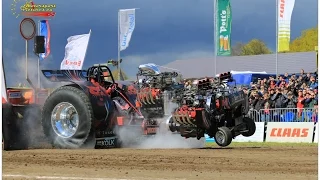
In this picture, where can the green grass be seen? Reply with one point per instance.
(264, 144)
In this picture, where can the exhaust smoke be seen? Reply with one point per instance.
(164, 139)
(30, 126)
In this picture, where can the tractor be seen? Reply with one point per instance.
(212, 107)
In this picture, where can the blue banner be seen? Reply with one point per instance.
(45, 31)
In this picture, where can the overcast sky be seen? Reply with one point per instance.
(165, 30)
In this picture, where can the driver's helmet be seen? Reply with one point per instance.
(94, 75)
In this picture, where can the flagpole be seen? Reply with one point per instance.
(277, 41)
(39, 81)
(118, 66)
(215, 36)
(86, 48)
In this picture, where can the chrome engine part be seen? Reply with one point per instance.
(155, 90)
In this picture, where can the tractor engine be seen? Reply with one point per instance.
(207, 105)
(155, 88)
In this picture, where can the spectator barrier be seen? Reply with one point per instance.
(294, 132)
(285, 115)
(282, 125)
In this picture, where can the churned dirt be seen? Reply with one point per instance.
(205, 164)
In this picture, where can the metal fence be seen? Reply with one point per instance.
(285, 115)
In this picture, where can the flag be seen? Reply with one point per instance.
(75, 52)
(45, 31)
(3, 86)
(127, 25)
(223, 27)
(285, 8)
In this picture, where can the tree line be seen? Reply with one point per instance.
(304, 43)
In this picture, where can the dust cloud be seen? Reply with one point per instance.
(31, 126)
(164, 139)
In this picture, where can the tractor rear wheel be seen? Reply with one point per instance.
(67, 118)
(251, 126)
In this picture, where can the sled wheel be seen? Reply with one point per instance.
(223, 136)
(251, 126)
(67, 118)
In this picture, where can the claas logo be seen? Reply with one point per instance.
(289, 132)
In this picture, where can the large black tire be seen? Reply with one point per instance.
(223, 136)
(251, 126)
(80, 101)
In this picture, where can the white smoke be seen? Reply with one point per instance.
(16, 76)
(164, 139)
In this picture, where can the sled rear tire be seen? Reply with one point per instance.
(79, 105)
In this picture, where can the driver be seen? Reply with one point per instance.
(108, 88)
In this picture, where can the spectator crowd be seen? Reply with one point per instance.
(286, 91)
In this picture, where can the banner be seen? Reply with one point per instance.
(127, 25)
(3, 86)
(75, 52)
(45, 31)
(223, 27)
(258, 136)
(289, 132)
(316, 134)
(285, 8)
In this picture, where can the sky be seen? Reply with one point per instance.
(165, 30)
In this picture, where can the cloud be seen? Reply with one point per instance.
(163, 28)
(15, 68)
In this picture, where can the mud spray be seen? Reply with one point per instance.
(164, 139)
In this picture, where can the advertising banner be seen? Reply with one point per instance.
(75, 52)
(3, 86)
(45, 31)
(127, 19)
(316, 134)
(285, 8)
(289, 132)
(223, 27)
(256, 137)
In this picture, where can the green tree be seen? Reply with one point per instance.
(237, 49)
(115, 74)
(255, 47)
(306, 42)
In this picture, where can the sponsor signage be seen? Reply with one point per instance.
(108, 142)
(316, 134)
(256, 137)
(289, 132)
(13, 95)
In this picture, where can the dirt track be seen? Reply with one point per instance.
(205, 164)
